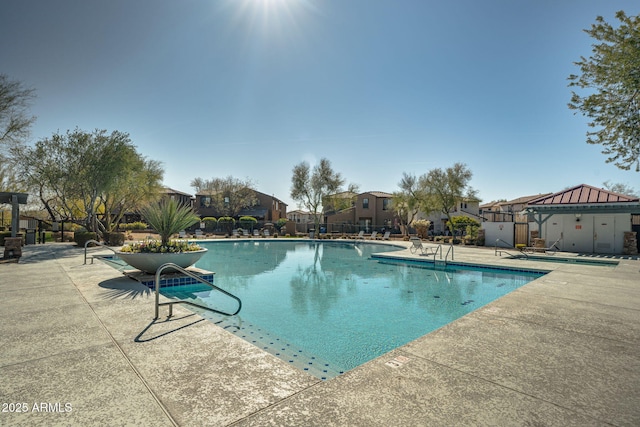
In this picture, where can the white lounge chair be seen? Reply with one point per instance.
(416, 245)
(199, 234)
(387, 235)
(360, 235)
(182, 234)
(373, 235)
(256, 233)
(235, 233)
(265, 233)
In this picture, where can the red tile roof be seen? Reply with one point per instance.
(582, 194)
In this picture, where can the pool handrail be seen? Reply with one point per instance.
(193, 276)
(97, 243)
(447, 255)
(439, 249)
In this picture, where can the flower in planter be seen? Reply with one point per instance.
(154, 247)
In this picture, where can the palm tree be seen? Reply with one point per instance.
(168, 217)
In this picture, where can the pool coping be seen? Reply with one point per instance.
(560, 350)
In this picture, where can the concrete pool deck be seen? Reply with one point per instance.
(80, 347)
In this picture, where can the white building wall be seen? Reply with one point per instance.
(552, 230)
(593, 233)
(498, 230)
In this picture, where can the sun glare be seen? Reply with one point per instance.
(275, 16)
(274, 2)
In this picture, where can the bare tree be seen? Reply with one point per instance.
(15, 119)
(227, 196)
(620, 188)
(407, 202)
(15, 124)
(308, 187)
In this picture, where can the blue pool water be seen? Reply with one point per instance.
(329, 307)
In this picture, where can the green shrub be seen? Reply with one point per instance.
(247, 222)
(226, 223)
(114, 239)
(138, 225)
(464, 225)
(210, 224)
(82, 237)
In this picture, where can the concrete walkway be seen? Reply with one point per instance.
(80, 347)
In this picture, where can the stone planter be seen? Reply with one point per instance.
(150, 262)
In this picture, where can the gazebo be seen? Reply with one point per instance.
(586, 218)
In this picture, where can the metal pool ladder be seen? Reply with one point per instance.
(193, 276)
(442, 263)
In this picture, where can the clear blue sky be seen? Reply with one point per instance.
(250, 88)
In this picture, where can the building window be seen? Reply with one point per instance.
(205, 202)
(385, 204)
(365, 203)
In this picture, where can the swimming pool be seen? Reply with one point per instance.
(327, 307)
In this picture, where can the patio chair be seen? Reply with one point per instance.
(182, 234)
(199, 234)
(373, 235)
(256, 233)
(416, 245)
(386, 235)
(235, 233)
(245, 233)
(360, 235)
(265, 233)
(550, 250)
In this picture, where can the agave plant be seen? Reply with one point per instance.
(167, 217)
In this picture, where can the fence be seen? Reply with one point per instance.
(347, 228)
(504, 217)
